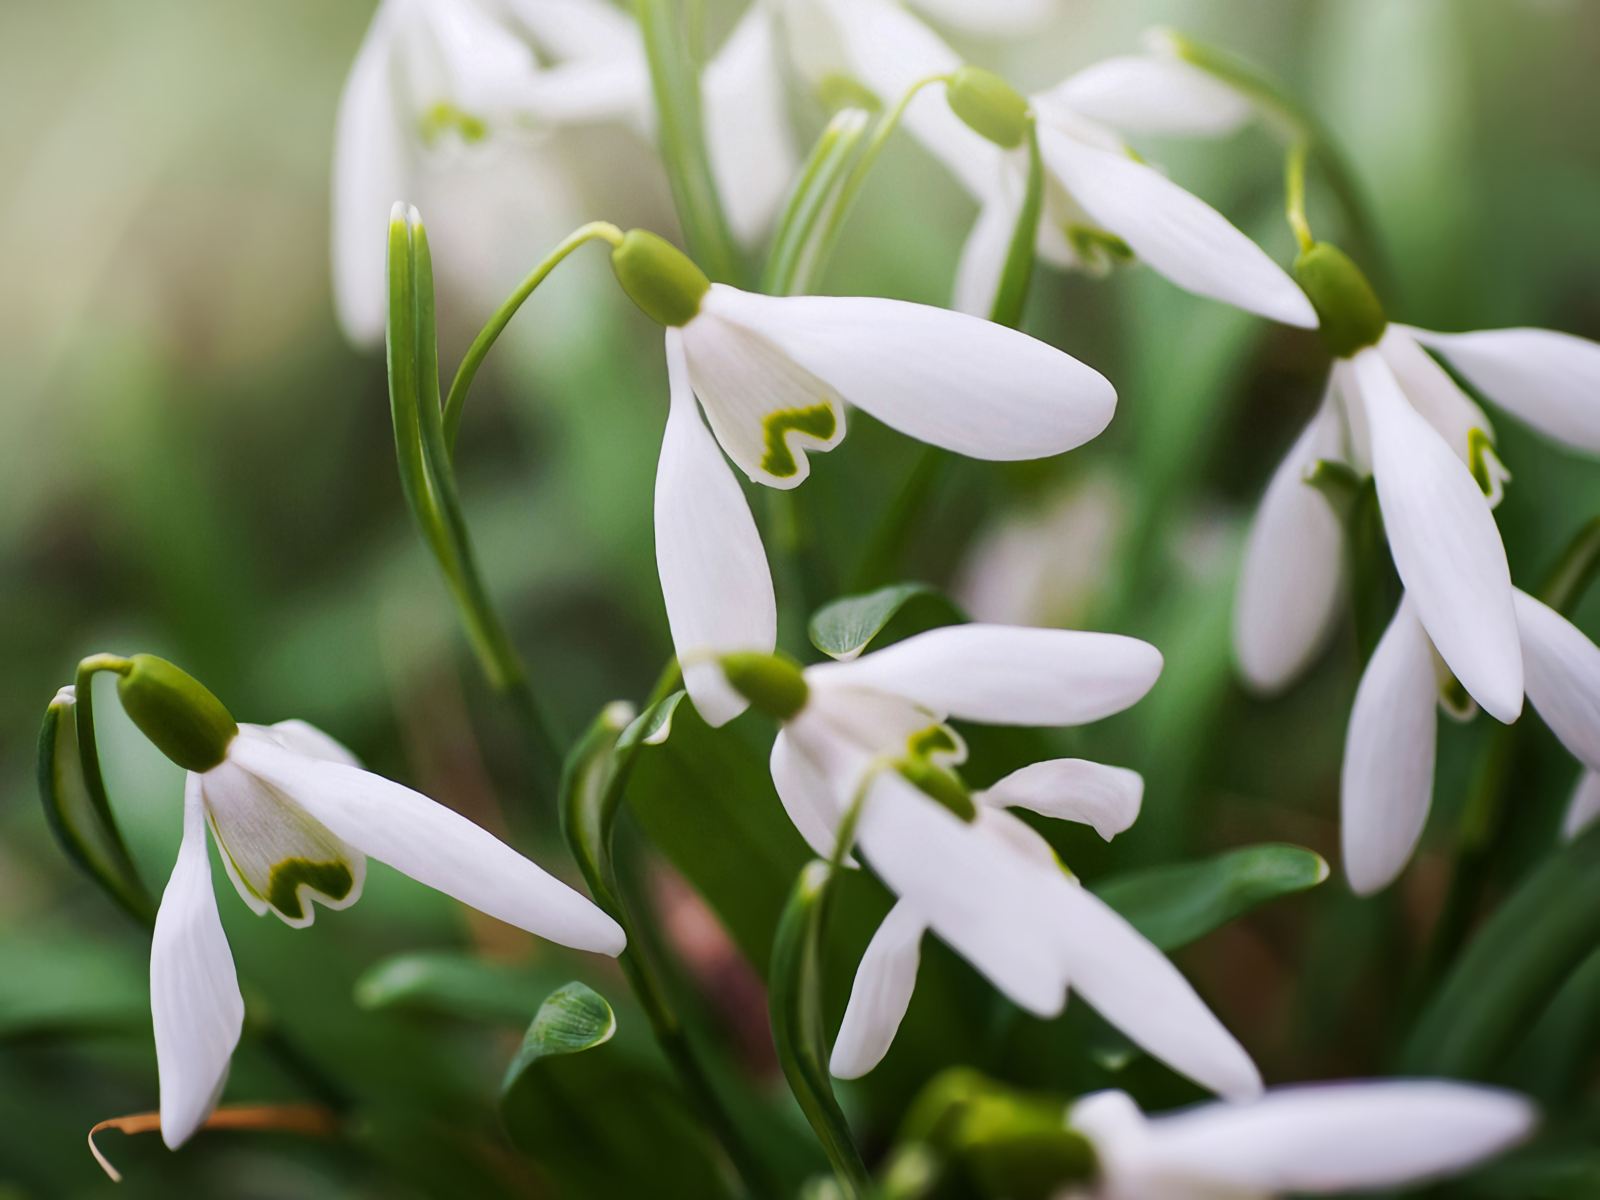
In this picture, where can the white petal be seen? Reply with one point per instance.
(434, 845)
(1432, 392)
(1584, 807)
(1177, 234)
(1444, 541)
(753, 155)
(1562, 669)
(369, 176)
(1550, 380)
(714, 573)
(992, 18)
(1151, 94)
(807, 796)
(1133, 985)
(983, 257)
(1334, 1137)
(194, 994)
(1073, 789)
(305, 738)
(575, 29)
(880, 995)
(767, 410)
(1386, 786)
(945, 378)
(1291, 583)
(592, 91)
(460, 53)
(1004, 675)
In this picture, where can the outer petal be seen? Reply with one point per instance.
(305, 738)
(1333, 1138)
(1178, 234)
(575, 29)
(1133, 985)
(434, 845)
(808, 797)
(1291, 583)
(369, 175)
(1584, 807)
(1550, 380)
(194, 994)
(1073, 789)
(880, 995)
(991, 18)
(1444, 541)
(945, 378)
(1432, 392)
(1563, 677)
(1387, 782)
(1153, 94)
(752, 149)
(714, 573)
(1003, 675)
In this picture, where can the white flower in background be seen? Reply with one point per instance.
(295, 818)
(439, 81)
(1387, 782)
(1102, 204)
(772, 376)
(870, 736)
(1312, 1140)
(1584, 807)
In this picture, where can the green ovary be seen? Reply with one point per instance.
(819, 421)
(331, 879)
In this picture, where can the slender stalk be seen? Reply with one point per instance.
(1011, 297)
(456, 398)
(132, 896)
(819, 178)
(1295, 195)
(680, 126)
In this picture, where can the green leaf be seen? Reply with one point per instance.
(1173, 906)
(1513, 967)
(846, 627)
(451, 984)
(595, 1110)
(56, 982)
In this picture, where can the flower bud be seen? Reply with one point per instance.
(658, 277)
(941, 785)
(1351, 316)
(176, 712)
(989, 105)
(772, 683)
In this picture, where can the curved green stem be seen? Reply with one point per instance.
(823, 169)
(456, 398)
(1295, 195)
(1017, 276)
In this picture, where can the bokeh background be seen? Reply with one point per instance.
(193, 462)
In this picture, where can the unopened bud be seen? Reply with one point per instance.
(176, 712)
(1351, 316)
(773, 684)
(989, 105)
(658, 277)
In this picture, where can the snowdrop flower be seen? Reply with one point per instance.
(1584, 807)
(1387, 781)
(1393, 413)
(294, 818)
(772, 376)
(1103, 205)
(1313, 1140)
(864, 748)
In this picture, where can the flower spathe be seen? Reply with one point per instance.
(988, 884)
(1310, 1140)
(295, 819)
(772, 376)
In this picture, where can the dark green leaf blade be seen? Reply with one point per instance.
(452, 984)
(847, 626)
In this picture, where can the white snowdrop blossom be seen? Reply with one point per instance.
(1103, 204)
(1311, 1140)
(1387, 784)
(294, 818)
(772, 376)
(1584, 807)
(869, 737)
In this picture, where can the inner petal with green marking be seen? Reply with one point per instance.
(818, 422)
(279, 858)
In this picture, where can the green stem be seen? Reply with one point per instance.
(131, 897)
(1294, 188)
(819, 178)
(1011, 297)
(456, 399)
(886, 548)
(681, 129)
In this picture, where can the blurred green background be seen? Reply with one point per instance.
(193, 463)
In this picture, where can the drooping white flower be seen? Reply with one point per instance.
(1311, 1140)
(1584, 807)
(870, 736)
(772, 376)
(295, 818)
(1387, 782)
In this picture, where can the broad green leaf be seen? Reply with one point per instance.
(57, 982)
(846, 627)
(447, 983)
(1173, 906)
(596, 1111)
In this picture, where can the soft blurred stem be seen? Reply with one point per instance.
(1483, 819)
(681, 130)
(823, 169)
(1012, 294)
(828, 238)
(428, 479)
(795, 1003)
(456, 399)
(593, 784)
(1294, 190)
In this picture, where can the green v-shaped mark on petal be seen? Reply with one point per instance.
(818, 421)
(330, 879)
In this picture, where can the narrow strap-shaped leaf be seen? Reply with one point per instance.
(821, 175)
(454, 984)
